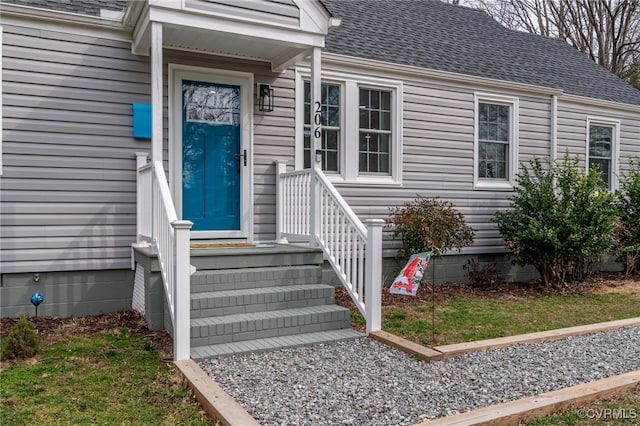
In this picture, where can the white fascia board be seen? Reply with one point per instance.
(293, 36)
(315, 17)
(583, 100)
(305, 72)
(74, 23)
(141, 43)
(402, 71)
(116, 15)
(334, 22)
(169, 4)
(133, 12)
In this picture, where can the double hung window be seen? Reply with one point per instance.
(601, 148)
(493, 141)
(360, 128)
(496, 144)
(375, 131)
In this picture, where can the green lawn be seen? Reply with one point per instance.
(622, 410)
(468, 318)
(96, 378)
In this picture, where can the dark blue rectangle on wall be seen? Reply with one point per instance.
(142, 121)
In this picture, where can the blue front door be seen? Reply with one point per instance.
(211, 157)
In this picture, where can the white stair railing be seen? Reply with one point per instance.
(293, 205)
(353, 248)
(158, 224)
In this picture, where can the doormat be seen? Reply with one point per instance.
(220, 245)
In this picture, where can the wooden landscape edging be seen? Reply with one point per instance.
(449, 351)
(220, 406)
(216, 402)
(512, 413)
(414, 349)
(526, 409)
(438, 353)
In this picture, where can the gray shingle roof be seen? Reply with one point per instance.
(439, 36)
(84, 7)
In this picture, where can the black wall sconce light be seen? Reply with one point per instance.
(265, 97)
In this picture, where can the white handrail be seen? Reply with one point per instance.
(159, 224)
(353, 249)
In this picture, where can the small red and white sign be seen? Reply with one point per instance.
(408, 281)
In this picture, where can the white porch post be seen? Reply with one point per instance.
(316, 143)
(156, 91)
(182, 291)
(373, 275)
(281, 167)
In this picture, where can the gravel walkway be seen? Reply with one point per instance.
(364, 382)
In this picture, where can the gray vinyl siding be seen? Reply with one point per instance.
(68, 189)
(572, 129)
(273, 132)
(275, 11)
(438, 134)
(438, 152)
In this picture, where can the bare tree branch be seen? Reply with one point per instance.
(606, 30)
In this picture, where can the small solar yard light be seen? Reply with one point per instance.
(36, 300)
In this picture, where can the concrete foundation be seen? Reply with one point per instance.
(66, 293)
(448, 269)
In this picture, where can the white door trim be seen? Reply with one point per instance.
(177, 73)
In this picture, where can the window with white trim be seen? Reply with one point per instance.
(375, 131)
(602, 137)
(330, 127)
(495, 141)
(361, 128)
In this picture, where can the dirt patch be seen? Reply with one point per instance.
(54, 329)
(629, 285)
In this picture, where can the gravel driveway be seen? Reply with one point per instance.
(364, 382)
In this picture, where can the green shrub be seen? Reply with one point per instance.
(560, 220)
(628, 210)
(429, 224)
(22, 342)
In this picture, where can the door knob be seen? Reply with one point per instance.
(243, 156)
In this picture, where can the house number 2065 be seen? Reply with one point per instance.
(317, 120)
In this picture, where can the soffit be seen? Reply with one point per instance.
(227, 34)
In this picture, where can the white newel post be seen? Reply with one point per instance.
(141, 160)
(316, 144)
(182, 291)
(373, 275)
(281, 167)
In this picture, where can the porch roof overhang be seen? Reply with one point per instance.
(280, 44)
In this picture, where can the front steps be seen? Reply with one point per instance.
(262, 298)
